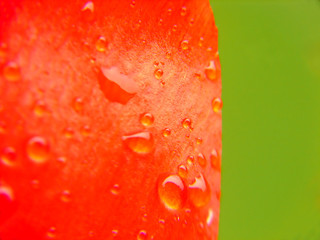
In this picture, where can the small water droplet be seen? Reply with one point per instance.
(172, 191)
(162, 223)
(185, 45)
(85, 131)
(199, 192)
(166, 132)
(183, 11)
(158, 73)
(68, 132)
(141, 142)
(77, 105)
(215, 160)
(38, 149)
(51, 233)
(182, 171)
(115, 189)
(168, 55)
(199, 140)
(174, 28)
(114, 232)
(101, 44)
(160, 21)
(8, 156)
(133, 4)
(202, 160)
(142, 235)
(39, 108)
(116, 86)
(169, 11)
(35, 183)
(217, 104)
(190, 160)
(146, 119)
(191, 22)
(187, 123)
(201, 40)
(11, 72)
(62, 160)
(87, 11)
(65, 196)
(211, 71)
(145, 217)
(156, 64)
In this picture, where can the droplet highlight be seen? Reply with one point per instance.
(141, 142)
(166, 132)
(182, 171)
(184, 45)
(217, 104)
(210, 71)
(187, 123)
(202, 160)
(215, 160)
(142, 235)
(38, 149)
(172, 191)
(199, 192)
(65, 196)
(158, 73)
(183, 11)
(115, 189)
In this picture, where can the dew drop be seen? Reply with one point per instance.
(145, 217)
(11, 72)
(51, 233)
(85, 130)
(210, 71)
(68, 132)
(183, 11)
(168, 55)
(182, 171)
(186, 123)
(199, 140)
(65, 196)
(39, 108)
(162, 222)
(35, 183)
(6, 202)
(38, 149)
(156, 64)
(8, 156)
(77, 105)
(166, 132)
(217, 104)
(133, 4)
(101, 44)
(114, 232)
(191, 22)
(158, 73)
(202, 160)
(215, 160)
(160, 21)
(141, 142)
(190, 160)
(169, 11)
(115, 189)
(142, 235)
(199, 192)
(172, 191)
(116, 86)
(185, 45)
(146, 119)
(201, 40)
(210, 217)
(174, 28)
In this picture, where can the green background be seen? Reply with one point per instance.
(270, 58)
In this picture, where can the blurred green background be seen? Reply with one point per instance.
(270, 58)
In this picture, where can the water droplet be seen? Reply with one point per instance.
(6, 202)
(160, 21)
(142, 235)
(62, 160)
(114, 232)
(156, 64)
(162, 222)
(78, 105)
(215, 160)
(166, 132)
(201, 40)
(186, 123)
(116, 86)
(158, 73)
(85, 130)
(101, 44)
(87, 11)
(183, 11)
(169, 11)
(210, 217)
(145, 217)
(65, 196)
(146, 119)
(115, 189)
(202, 160)
(182, 171)
(68, 132)
(184, 44)
(8, 156)
(172, 191)
(141, 142)
(168, 55)
(174, 28)
(38, 149)
(191, 22)
(199, 140)
(210, 71)
(11, 72)
(39, 108)
(199, 192)
(51, 233)
(217, 104)
(190, 160)
(133, 4)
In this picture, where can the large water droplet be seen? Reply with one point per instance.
(172, 191)
(142, 235)
(210, 71)
(199, 192)
(38, 149)
(217, 104)
(116, 86)
(11, 72)
(146, 119)
(8, 156)
(141, 142)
